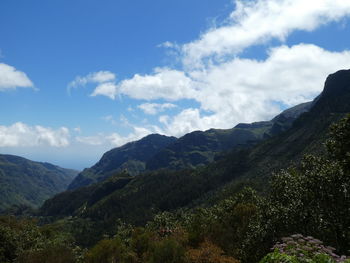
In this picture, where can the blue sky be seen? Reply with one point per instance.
(78, 78)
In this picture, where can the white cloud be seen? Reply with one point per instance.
(256, 22)
(22, 135)
(138, 133)
(164, 83)
(95, 77)
(104, 79)
(247, 90)
(238, 90)
(11, 78)
(108, 89)
(101, 76)
(91, 140)
(155, 108)
(115, 139)
(168, 44)
(232, 89)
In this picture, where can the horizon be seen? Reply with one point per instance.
(78, 79)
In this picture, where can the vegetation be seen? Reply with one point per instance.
(298, 248)
(193, 150)
(311, 199)
(210, 214)
(24, 182)
(131, 157)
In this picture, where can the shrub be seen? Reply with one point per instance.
(300, 249)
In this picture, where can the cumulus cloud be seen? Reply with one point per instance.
(243, 90)
(104, 79)
(11, 78)
(256, 22)
(246, 90)
(108, 89)
(230, 88)
(23, 135)
(164, 83)
(155, 108)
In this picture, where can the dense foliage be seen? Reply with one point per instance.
(23, 241)
(298, 248)
(24, 182)
(311, 199)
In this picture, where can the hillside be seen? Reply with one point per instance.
(192, 150)
(143, 196)
(24, 182)
(200, 148)
(131, 157)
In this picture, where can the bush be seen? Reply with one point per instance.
(109, 251)
(167, 250)
(208, 253)
(300, 249)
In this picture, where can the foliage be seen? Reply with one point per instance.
(338, 144)
(300, 249)
(225, 223)
(207, 252)
(167, 250)
(24, 182)
(108, 250)
(312, 199)
(23, 241)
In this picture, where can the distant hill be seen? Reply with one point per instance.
(195, 149)
(137, 199)
(131, 157)
(24, 182)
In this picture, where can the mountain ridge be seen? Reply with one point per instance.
(131, 157)
(137, 199)
(26, 182)
(194, 149)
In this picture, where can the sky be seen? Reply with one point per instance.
(80, 77)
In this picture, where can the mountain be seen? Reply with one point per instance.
(195, 149)
(137, 199)
(24, 182)
(200, 148)
(131, 157)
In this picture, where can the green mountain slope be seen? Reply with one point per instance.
(137, 199)
(195, 149)
(200, 148)
(30, 183)
(131, 157)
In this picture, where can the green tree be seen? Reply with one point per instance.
(312, 199)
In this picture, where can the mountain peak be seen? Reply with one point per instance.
(336, 94)
(337, 83)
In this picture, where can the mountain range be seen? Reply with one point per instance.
(185, 180)
(192, 150)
